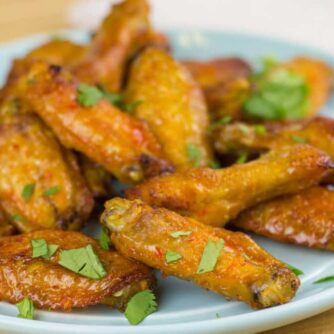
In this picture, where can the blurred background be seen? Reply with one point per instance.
(306, 21)
(302, 21)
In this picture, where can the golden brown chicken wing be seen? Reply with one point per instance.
(173, 106)
(121, 144)
(305, 218)
(40, 183)
(241, 269)
(216, 196)
(51, 286)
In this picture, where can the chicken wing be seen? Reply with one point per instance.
(51, 286)
(304, 218)
(216, 196)
(244, 271)
(120, 143)
(173, 106)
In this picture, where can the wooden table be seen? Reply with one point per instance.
(19, 18)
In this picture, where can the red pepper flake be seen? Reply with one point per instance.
(159, 252)
(48, 175)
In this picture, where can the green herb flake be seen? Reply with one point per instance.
(140, 306)
(210, 256)
(172, 257)
(224, 120)
(178, 234)
(214, 164)
(18, 218)
(83, 261)
(299, 139)
(242, 158)
(26, 308)
(194, 154)
(131, 107)
(104, 238)
(40, 248)
(244, 129)
(27, 191)
(260, 129)
(295, 270)
(51, 191)
(88, 95)
(324, 279)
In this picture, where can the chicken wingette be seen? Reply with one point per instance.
(304, 218)
(174, 244)
(120, 143)
(172, 104)
(52, 286)
(216, 196)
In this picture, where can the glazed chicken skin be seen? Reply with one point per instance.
(41, 185)
(51, 286)
(121, 35)
(216, 196)
(173, 106)
(244, 271)
(120, 143)
(304, 218)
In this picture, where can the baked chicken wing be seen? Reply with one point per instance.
(243, 271)
(120, 143)
(51, 286)
(305, 218)
(173, 106)
(216, 196)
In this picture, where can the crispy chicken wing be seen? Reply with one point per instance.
(31, 158)
(305, 218)
(120, 143)
(51, 286)
(173, 106)
(244, 271)
(216, 196)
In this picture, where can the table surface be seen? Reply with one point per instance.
(19, 18)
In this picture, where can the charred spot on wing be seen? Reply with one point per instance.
(55, 69)
(153, 166)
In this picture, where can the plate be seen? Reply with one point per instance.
(183, 307)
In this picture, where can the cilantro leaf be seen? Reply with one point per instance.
(194, 154)
(324, 279)
(280, 94)
(178, 234)
(210, 256)
(51, 191)
(26, 308)
(299, 139)
(28, 191)
(104, 238)
(140, 306)
(18, 218)
(223, 121)
(83, 261)
(40, 248)
(172, 257)
(295, 270)
(244, 128)
(260, 129)
(88, 95)
(214, 164)
(242, 158)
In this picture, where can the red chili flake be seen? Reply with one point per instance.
(48, 175)
(159, 252)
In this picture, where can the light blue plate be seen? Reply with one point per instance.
(183, 307)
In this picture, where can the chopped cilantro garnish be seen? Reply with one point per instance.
(194, 154)
(26, 308)
(83, 261)
(40, 248)
(260, 129)
(104, 238)
(28, 191)
(18, 218)
(244, 128)
(140, 306)
(299, 139)
(178, 234)
(88, 95)
(210, 256)
(242, 158)
(214, 164)
(295, 270)
(280, 94)
(172, 257)
(324, 279)
(51, 191)
(223, 121)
